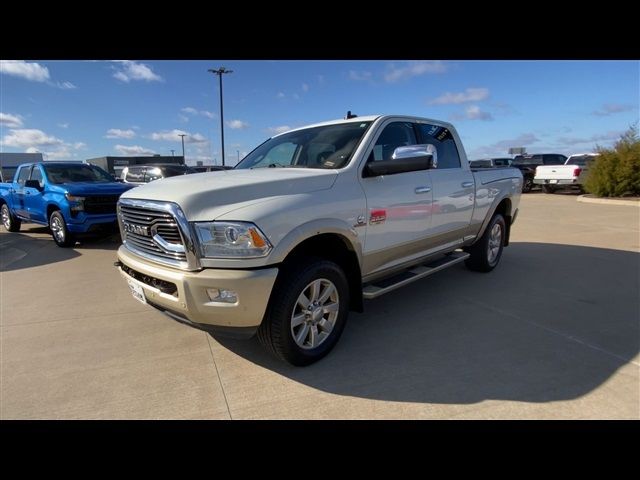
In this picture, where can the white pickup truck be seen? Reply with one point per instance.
(570, 175)
(311, 223)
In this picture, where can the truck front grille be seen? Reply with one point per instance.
(151, 230)
(100, 204)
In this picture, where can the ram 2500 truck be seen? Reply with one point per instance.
(311, 223)
(72, 198)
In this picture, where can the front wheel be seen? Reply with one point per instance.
(307, 313)
(59, 231)
(527, 185)
(11, 223)
(486, 252)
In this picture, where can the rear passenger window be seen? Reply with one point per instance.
(36, 174)
(441, 138)
(23, 175)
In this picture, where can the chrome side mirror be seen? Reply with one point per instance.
(413, 151)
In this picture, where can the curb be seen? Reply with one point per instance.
(608, 201)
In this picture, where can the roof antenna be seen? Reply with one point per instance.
(350, 115)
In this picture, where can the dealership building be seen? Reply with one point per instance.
(114, 165)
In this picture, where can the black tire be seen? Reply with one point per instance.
(481, 259)
(548, 189)
(276, 332)
(59, 231)
(10, 222)
(527, 184)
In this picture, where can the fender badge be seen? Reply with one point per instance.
(377, 216)
(361, 221)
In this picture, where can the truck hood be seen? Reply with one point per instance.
(206, 196)
(92, 188)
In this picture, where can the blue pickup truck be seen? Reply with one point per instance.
(72, 198)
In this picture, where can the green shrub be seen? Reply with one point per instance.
(616, 172)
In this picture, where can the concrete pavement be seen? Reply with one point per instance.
(553, 332)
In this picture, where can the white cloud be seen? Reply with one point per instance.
(305, 87)
(469, 95)
(29, 137)
(280, 95)
(118, 133)
(360, 76)
(66, 85)
(28, 70)
(473, 112)
(10, 121)
(63, 125)
(174, 136)
(33, 140)
(133, 150)
(32, 71)
(237, 124)
(195, 111)
(611, 108)
(413, 69)
(280, 129)
(320, 79)
(130, 70)
(79, 145)
(183, 118)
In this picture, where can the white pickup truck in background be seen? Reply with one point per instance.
(570, 175)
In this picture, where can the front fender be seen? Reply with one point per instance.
(316, 227)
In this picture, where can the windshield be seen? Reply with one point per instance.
(59, 174)
(329, 146)
(581, 160)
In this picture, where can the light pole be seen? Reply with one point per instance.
(220, 71)
(172, 153)
(182, 135)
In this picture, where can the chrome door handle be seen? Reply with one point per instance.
(467, 184)
(420, 190)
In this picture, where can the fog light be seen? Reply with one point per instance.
(221, 295)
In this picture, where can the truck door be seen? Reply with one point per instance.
(33, 197)
(398, 206)
(17, 193)
(453, 187)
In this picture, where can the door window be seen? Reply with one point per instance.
(394, 135)
(441, 138)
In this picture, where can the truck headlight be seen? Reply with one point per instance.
(76, 204)
(231, 240)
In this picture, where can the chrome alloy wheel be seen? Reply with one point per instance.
(57, 229)
(6, 220)
(495, 242)
(315, 313)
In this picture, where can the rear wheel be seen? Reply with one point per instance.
(11, 223)
(486, 252)
(59, 231)
(548, 189)
(527, 185)
(307, 313)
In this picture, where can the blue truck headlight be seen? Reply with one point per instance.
(76, 204)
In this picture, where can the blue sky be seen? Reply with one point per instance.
(81, 109)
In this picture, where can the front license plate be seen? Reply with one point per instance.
(553, 181)
(137, 291)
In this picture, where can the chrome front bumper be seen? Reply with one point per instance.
(191, 302)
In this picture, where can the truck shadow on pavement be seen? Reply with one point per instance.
(551, 323)
(33, 247)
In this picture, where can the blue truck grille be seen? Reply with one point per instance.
(100, 204)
